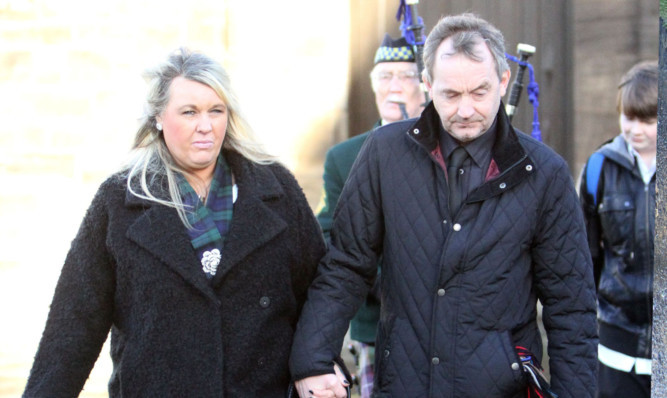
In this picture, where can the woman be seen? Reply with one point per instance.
(197, 257)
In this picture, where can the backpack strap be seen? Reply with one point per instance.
(593, 171)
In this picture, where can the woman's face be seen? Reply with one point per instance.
(194, 123)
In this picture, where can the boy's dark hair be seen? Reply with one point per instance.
(637, 96)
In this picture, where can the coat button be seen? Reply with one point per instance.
(264, 302)
(435, 360)
(515, 366)
(416, 131)
(386, 353)
(457, 227)
(502, 185)
(441, 292)
(529, 167)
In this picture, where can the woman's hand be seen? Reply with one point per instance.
(323, 386)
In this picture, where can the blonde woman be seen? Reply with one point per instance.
(197, 257)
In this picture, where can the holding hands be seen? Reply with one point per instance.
(324, 386)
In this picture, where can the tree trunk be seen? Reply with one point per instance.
(659, 375)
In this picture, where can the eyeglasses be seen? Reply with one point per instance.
(386, 76)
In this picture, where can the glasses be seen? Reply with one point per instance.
(386, 76)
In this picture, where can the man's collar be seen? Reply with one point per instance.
(506, 150)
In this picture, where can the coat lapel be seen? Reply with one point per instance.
(253, 226)
(160, 231)
(254, 223)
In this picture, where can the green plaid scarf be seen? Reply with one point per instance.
(210, 221)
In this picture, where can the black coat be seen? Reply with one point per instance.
(457, 294)
(621, 230)
(132, 269)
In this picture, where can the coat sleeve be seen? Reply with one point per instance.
(333, 185)
(565, 286)
(345, 273)
(311, 246)
(81, 312)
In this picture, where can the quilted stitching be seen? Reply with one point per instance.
(395, 199)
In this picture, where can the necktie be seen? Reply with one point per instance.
(454, 180)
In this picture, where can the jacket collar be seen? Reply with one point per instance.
(617, 150)
(160, 231)
(506, 149)
(508, 155)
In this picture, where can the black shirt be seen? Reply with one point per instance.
(477, 164)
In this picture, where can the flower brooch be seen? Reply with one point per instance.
(210, 261)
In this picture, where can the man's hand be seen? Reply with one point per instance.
(323, 386)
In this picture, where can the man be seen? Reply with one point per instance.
(618, 197)
(460, 280)
(395, 82)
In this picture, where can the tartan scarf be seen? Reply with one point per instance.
(211, 220)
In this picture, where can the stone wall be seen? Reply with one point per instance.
(71, 93)
(609, 38)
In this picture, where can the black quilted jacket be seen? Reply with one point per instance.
(457, 295)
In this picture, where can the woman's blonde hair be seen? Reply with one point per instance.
(151, 160)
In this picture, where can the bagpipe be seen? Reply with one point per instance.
(412, 28)
(524, 51)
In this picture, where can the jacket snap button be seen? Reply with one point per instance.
(264, 302)
(457, 227)
(386, 353)
(416, 131)
(503, 185)
(435, 360)
(529, 167)
(515, 366)
(441, 292)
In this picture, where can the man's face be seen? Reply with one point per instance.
(394, 83)
(640, 134)
(466, 93)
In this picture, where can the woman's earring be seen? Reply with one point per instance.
(158, 126)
